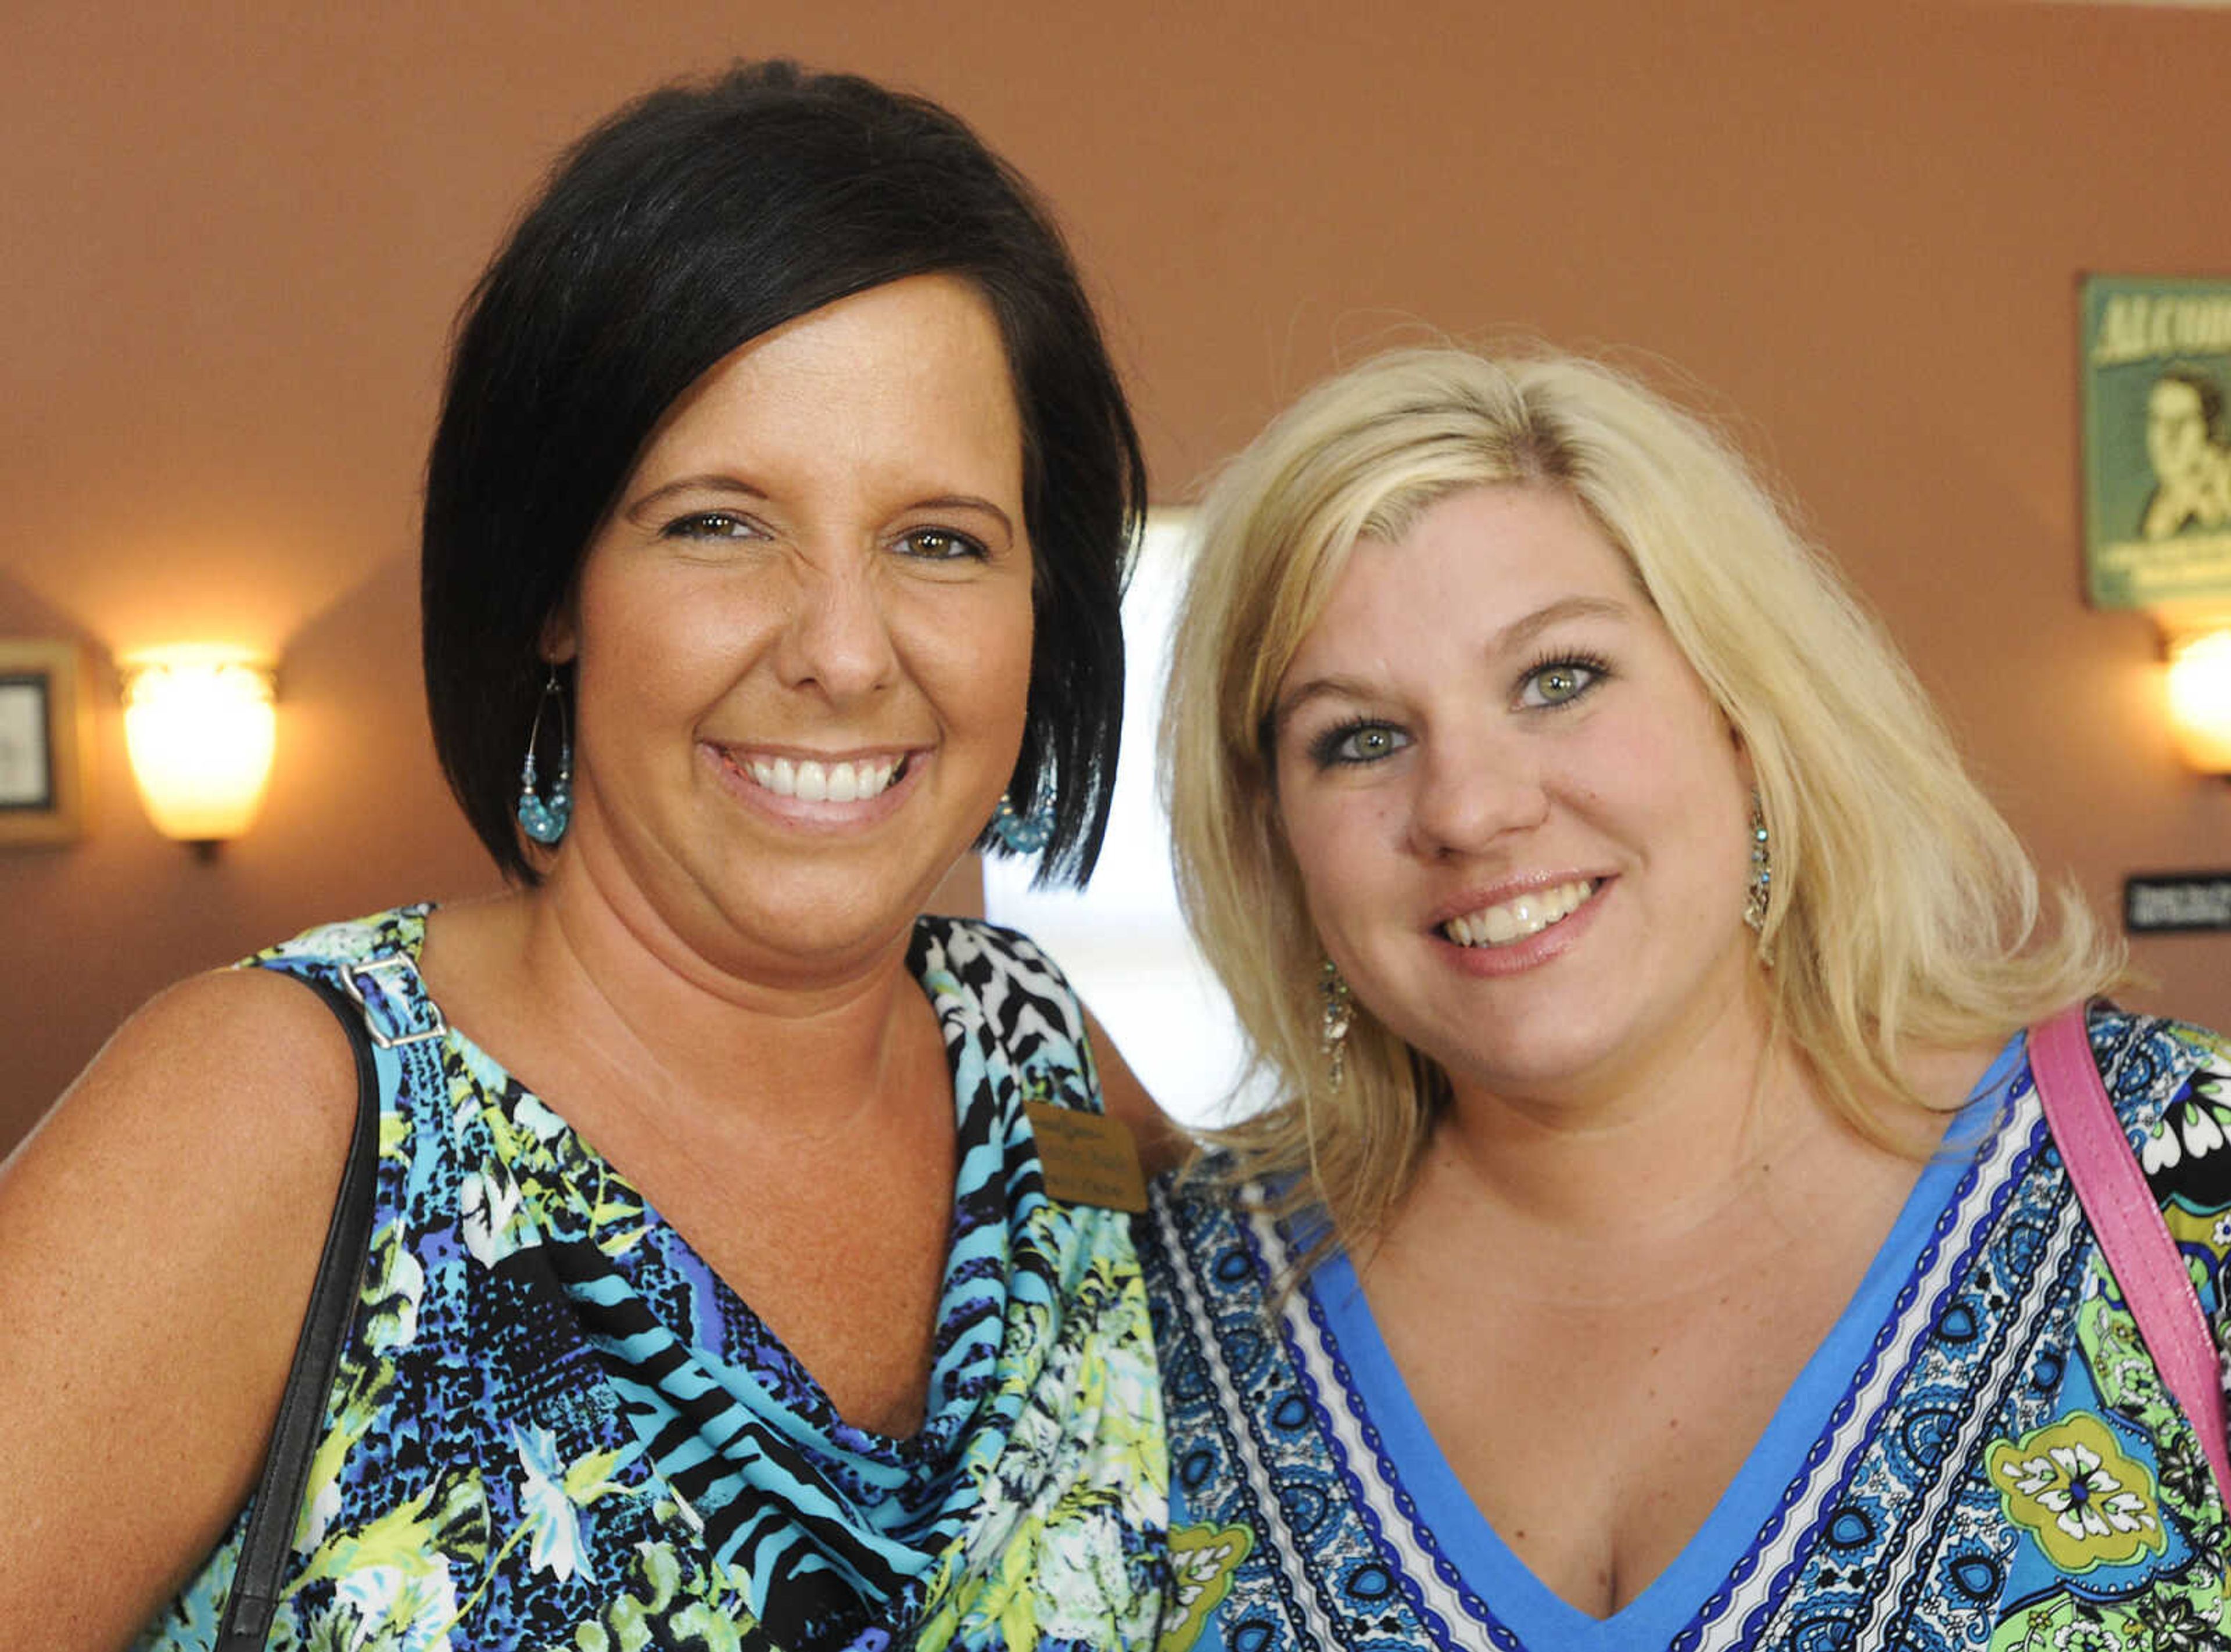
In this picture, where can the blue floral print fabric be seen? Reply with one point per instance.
(1986, 1457)
(553, 1426)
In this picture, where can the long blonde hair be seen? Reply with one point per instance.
(1904, 910)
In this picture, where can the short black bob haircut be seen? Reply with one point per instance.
(686, 225)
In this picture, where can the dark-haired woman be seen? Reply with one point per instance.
(715, 1297)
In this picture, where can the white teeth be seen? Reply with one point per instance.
(1519, 917)
(816, 782)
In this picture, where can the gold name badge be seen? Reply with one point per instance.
(1087, 1159)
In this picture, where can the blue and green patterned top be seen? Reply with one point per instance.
(553, 1426)
(1980, 1454)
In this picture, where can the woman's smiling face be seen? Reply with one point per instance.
(802, 638)
(1519, 819)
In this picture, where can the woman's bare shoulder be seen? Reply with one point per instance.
(197, 1042)
(159, 1232)
(237, 1073)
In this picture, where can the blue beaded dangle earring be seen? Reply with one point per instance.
(1024, 834)
(545, 820)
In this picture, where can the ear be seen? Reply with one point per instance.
(560, 640)
(1743, 752)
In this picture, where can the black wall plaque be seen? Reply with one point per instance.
(2176, 902)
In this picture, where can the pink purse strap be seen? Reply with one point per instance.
(2128, 1221)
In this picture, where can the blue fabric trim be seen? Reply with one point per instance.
(1479, 1556)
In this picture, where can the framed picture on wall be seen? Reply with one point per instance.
(44, 712)
(2156, 379)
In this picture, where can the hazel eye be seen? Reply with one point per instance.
(940, 544)
(708, 525)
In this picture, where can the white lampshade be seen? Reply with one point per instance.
(2200, 700)
(201, 734)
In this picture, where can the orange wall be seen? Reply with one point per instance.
(236, 234)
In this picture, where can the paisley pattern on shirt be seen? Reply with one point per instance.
(2003, 1470)
(553, 1426)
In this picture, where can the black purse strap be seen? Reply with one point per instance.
(276, 1507)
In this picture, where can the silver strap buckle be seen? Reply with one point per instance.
(393, 1006)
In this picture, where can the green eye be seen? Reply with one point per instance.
(1559, 682)
(1372, 742)
(1356, 743)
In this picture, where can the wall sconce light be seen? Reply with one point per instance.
(2200, 698)
(200, 727)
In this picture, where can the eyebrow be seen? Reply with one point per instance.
(1509, 639)
(709, 483)
(720, 482)
(965, 502)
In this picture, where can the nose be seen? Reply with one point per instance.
(1469, 795)
(837, 637)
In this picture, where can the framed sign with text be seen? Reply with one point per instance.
(2156, 374)
(44, 715)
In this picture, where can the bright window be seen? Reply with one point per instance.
(1122, 942)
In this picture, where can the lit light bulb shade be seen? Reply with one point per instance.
(201, 739)
(2199, 701)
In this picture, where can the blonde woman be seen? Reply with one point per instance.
(1658, 1244)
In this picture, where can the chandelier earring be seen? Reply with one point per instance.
(1758, 894)
(543, 819)
(1337, 1015)
(1024, 833)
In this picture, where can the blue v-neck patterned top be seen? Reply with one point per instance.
(555, 1426)
(1979, 1454)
